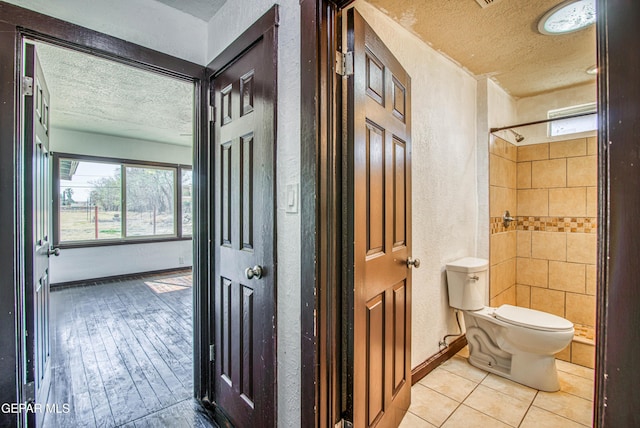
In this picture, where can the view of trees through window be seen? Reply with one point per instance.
(104, 200)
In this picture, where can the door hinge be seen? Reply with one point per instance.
(27, 85)
(29, 392)
(344, 63)
(213, 114)
(212, 353)
(343, 424)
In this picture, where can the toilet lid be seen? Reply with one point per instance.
(531, 318)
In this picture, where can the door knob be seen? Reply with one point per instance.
(254, 272)
(53, 252)
(413, 263)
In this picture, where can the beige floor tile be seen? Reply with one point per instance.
(540, 418)
(449, 384)
(505, 408)
(464, 352)
(567, 405)
(431, 406)
(461, 367)
(510, 388)
(412, 421)
(576, 385)
(466, 417)
(575, 369)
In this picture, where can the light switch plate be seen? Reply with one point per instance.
(292, 198)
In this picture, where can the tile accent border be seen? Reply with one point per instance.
(546, 224)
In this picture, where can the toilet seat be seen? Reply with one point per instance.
(531, 318)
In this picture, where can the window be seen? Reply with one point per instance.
(150, 201)
(573, 125)
(185, 203)
(111, 200)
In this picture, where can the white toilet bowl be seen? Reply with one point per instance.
(517, 343)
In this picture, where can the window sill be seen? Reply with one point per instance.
(105, 243)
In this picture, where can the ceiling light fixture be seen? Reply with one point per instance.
(567, 17)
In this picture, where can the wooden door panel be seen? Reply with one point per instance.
(243, 95)
(37, 233)
(379, 135)
(399, 174)
(375, 191)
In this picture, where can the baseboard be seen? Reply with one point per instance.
(106, 279)
(435, 360)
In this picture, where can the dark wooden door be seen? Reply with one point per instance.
(244, 95)
(37, 232)
(378, 122)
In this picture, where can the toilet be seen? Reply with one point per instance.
(513, 342)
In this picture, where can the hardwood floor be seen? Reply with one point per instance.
(122, 355)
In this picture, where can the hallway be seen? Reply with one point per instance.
(122, 354)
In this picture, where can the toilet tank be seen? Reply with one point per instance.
(467, 280)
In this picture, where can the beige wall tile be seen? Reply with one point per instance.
(503, 148)
(532, 272)
(502, 172)
(567, 276)
(581, 247)
(581, 309)
(568, 148)
(591, 279)
(501, 199)
(583, 354)
(592, 201)
(523, 243)
(523, 296)
(592, 145)
(546, 300)
(533, 152)
(582, 171)
(549, 245)
(507, 297)
(549, 173)
(565, 354)
(524, 175)
(501, 277)
(503, 246)
(534, 202)
(568, 202)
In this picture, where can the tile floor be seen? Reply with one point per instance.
(456, 394)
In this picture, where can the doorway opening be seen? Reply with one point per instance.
(120, 315)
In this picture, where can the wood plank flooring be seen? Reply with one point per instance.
(122, 355)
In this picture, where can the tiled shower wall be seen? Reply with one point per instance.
(553, 242)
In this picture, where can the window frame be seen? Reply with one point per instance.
(123, 164)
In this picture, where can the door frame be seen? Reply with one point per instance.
(16, 24)
(323, 382)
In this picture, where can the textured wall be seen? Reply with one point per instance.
(234, 17)
(85, 143)
(445, 207)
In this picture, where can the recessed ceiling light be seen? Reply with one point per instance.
(568, 16)
(592, 70)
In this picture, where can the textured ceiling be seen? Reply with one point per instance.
(92, 94)
(203, 9)
(500, 41)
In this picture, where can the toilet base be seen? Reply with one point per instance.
(533, 370)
